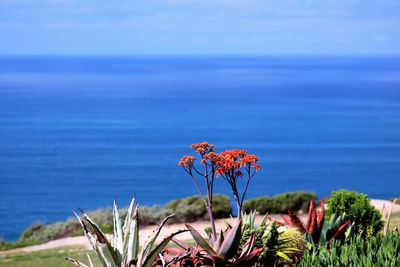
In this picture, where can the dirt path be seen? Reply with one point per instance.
(81, 241)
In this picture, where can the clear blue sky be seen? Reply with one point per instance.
(199, 27)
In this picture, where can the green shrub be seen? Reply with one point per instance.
(192, 208)
(187, 210)
(358, 209)
(41, 233)
(377, 251)
(150, 215)
(295, 201)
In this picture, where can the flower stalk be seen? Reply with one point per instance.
(229, 165)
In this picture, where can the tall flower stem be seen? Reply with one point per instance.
(210, 184)
(207, 199)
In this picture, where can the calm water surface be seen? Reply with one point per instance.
(79, 131)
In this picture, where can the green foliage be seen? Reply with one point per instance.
(226, 250)
(358, 209)
(318, 230)
(377, 251)
(46, 258)
(192, 208)
(123, 250)
(280, 245)
(187, 209)
(280, 203)
(12, 245)
(40, 233)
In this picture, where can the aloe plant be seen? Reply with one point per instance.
(185, 255)
(317, 229)
(280, 245)
(123, 250)
(224, 251)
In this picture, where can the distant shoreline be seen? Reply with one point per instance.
(81, 241)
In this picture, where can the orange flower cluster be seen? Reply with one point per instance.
(230, 162)
(203, 148)
(251, 161)
(186, 162)
(210, 158)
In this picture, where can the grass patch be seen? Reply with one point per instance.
(52, 257)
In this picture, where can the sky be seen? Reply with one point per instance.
(151, 27)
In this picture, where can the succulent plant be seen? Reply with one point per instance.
(319, 231)
(280, 245)
(225, 250)
(124, 250)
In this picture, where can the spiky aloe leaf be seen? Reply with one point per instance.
(248, 246)
(311, 215)
(321, 215)
(128, 217)
(174, 251)
(200, 240)
(152, 255)
(247, 260)
(88, 234)
(107, 255)
(76, 262)
(327, 229)
(264, 220)
(151, 240)
(180, 244)
(339, 221)
(220, 239)
(118, 238)
(286, 220)
(249, 219)
(131, 245)
(340, 231)
(98, 241)
(231, 242)
(296, 222)
(103, 248)
(313, 227)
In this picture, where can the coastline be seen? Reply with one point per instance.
(81, 241)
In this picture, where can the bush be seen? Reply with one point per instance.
(192, 208)
(295, 201)
(377, 251)
(358, 209)
(186, 210)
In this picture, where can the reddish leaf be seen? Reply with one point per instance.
(340, 231)
(296, 222)
(312, 229)
(321, 215)
(247, 260)
(249, 245)
(311, 210)
(286, 220)
(174, 251)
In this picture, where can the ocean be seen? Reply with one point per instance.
(79, 131)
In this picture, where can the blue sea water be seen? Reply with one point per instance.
(77, 131)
